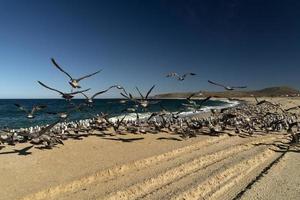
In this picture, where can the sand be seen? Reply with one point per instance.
(155, 166)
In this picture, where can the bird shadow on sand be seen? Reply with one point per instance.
(282, 147)
(45, 147)
(125, 139)
(169, 138)
(20, 152)
(103, 134)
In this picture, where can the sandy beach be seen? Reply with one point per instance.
(155, 166)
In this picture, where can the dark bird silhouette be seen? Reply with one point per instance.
(73, 82)
(30, 114)
(89, 100)
(67, 96)
(144, 101)
(227, 87)
(179, 77)
(22, 152)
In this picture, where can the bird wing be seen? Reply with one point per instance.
(241, 87)
(153, 102)
(218, 84)
(84, 95)
(52, 113)
(89, 75)
(149, 91)
(49, 127)
(256, 99)
(101, 92)
(191, 95)
(151, 116)
(124, 95)
(21, 108)
(79, 91)
(191, 74)
(139, 92)
(60, 69)
(172, 74)
(42, 84)
(120, 121)
(204, 100)
(292, 108)
(37, 108)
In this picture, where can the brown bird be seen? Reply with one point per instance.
(67, 96)
(179, 77)
(227, 87)
(30, 114)
(73, 82)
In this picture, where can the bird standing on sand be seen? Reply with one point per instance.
(73, 82)
(30, 114)
(227, 87)
(67, 96)
(178, 77)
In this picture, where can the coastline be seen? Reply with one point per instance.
(115, 166)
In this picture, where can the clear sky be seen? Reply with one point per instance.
(136, 42)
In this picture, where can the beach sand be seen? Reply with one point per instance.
(155, 166)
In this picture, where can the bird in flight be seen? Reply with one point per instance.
(30, 114)
(73, 82)
(89, 100)
(67, 96)
(179, 77)
(227, 87)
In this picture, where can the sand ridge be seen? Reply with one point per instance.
(204, 167)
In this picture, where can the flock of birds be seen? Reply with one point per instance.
(243, 119)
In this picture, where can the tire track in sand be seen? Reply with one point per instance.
(141, 188)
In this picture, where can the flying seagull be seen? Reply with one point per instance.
(227, 87)
(179, 77)
(73, 82)
(67, 96)
(89, 100)
(144, 102)
(30, 114)
(193, 105)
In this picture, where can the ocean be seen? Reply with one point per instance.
(12, 117)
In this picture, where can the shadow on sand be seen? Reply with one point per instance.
(21, 152)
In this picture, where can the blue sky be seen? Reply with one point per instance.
(247, 42)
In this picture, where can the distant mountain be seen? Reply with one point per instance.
(266, 92)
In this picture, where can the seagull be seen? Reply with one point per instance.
(292, 108)
(144, 102)
(227, 87)
(62, 115)
(46, 129)
(192, 105)
(30, 114)
(264, 102)
(89, 100)
(179, 78)
(73, 82)
(67, 96)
